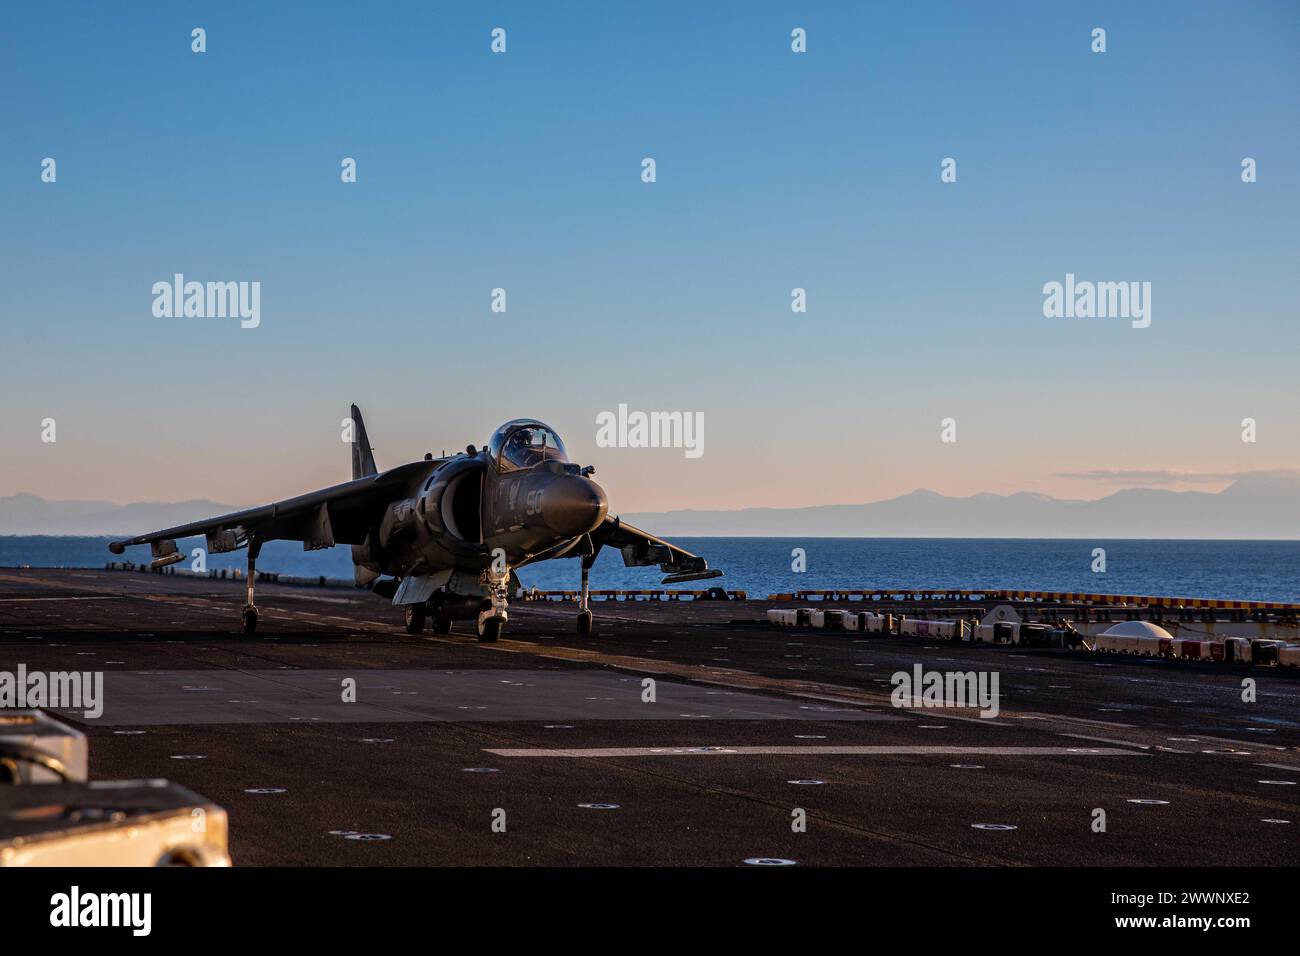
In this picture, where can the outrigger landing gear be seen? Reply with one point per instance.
(584, 612)
(248, 619)
(493, 617)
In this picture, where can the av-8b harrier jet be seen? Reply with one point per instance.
(442, 537)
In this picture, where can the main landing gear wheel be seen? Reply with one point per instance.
(441, 625)
(248, 620)
(489, 629)
(415, 615)
(584, 622)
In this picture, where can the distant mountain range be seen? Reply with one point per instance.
(30, 514)
(1256, 505)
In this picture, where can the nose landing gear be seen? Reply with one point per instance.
(489, 629)
(491, 620)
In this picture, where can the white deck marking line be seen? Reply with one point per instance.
(812, 751)
(1279, 766)
(1106, 740)
(105, 597)
(1252, 745)
(1080, 720)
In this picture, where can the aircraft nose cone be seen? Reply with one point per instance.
(573, 505)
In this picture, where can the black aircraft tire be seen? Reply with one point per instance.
(248, 620)
(490, 630)
(584, 622)
(441, 625)
(415, 617)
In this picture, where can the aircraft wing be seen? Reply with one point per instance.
(340, 514)
(642, 549)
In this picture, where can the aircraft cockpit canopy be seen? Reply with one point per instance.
(523, 443)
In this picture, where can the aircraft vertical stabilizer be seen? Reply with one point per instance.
(363, 458)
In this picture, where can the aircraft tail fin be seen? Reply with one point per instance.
(363, 458)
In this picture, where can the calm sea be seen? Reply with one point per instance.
(1242, 570)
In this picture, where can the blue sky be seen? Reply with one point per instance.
(775, 170)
